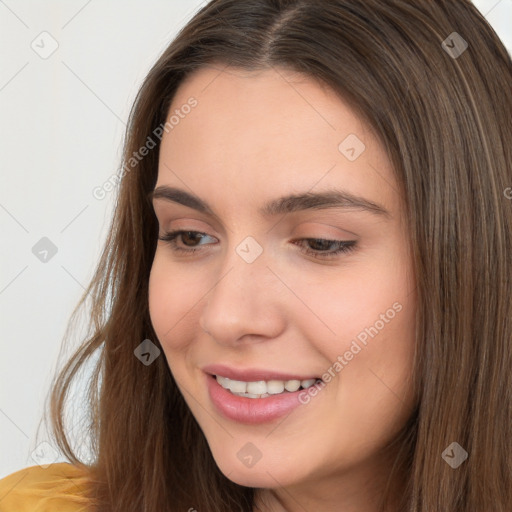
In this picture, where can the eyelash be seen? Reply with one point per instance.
(344, 246)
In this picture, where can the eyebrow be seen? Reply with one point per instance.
(329, 199)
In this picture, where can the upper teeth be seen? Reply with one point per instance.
(261, 387)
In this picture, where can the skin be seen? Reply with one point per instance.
(252, 137)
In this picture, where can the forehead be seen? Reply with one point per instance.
(267, 101)
(268, 132)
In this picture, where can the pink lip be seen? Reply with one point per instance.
(251, 410)
(252, 374)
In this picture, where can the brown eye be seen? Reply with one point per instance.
(188, 238)
(320, 244)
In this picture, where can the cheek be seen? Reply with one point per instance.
(344, 306)
(171, 300)
(368, 326)
(378, 351)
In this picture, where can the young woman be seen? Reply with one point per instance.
(305, 301)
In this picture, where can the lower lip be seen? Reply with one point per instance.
(251, 410)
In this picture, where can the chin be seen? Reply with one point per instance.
(251, 477)
(261, 475)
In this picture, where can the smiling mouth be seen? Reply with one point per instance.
(262, 388)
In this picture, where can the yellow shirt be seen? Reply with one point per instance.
(60, 487)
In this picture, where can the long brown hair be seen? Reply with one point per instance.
(443, 113)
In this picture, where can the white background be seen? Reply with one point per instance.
(61, 127)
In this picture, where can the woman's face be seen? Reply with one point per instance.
(252, 299)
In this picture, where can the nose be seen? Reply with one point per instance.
(245, 303)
